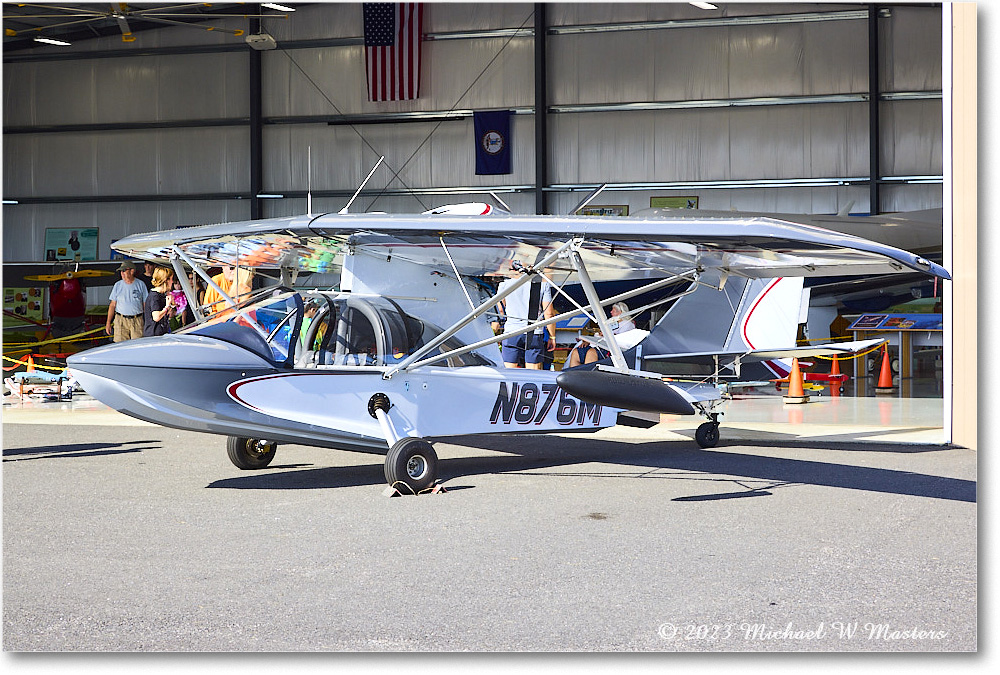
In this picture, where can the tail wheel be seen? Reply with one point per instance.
(250, 453)
(412, 462)
(707, 435)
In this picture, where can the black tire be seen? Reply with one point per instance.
(412, 463)
(707, 435)
(250, 453)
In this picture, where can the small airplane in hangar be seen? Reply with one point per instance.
(404, 354)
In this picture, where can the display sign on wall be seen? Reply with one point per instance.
(607, 210)
(27, 302)
(63, 243)
(673, 202)
(897, 322)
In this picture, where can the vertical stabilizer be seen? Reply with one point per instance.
(747, 314)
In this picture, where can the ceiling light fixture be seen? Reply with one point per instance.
(699, 5)
(50, 41)
(277, 8)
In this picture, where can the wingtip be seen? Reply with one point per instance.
(932, 268)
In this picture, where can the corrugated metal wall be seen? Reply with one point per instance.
(819, 140)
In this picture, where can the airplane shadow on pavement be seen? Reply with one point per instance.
(655, 460)
(76, 450)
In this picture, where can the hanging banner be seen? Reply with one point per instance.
(493, 142)
(393, 33)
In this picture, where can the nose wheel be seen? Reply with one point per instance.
(411, 462)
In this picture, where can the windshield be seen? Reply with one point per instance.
(318, 329)
(266, 324)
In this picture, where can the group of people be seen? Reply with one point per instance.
(152, 304)
(531, 302)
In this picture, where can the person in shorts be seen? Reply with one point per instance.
(523, 307)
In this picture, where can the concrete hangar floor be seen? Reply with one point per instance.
(124, 536)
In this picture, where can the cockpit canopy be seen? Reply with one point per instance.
(317, 329)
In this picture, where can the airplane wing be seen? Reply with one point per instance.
(611, 248)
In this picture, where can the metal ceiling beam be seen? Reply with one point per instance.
(805, 17)
(457, 115)
(256, 126)
(541, 113)
(874, 138)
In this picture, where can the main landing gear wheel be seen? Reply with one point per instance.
(250, 453)
(707, 435)
(412, 462)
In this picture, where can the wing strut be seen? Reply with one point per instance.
(201, 273)
(478, 311)
(602, 319)
(182, 279)
(557, 318)
(457, 275)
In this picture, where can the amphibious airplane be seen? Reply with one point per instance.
(369, 367)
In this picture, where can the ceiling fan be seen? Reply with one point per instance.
(51, 21)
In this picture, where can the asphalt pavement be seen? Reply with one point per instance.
(141, 538)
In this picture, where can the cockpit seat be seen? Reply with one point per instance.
(331, 359)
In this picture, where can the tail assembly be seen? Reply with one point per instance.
(747, 315)
(749, 328)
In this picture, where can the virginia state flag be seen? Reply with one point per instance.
(493, 142)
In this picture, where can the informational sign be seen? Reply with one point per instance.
(673, 202)
(71, 244)
(898, 322)
(27, 302)
(609, 210)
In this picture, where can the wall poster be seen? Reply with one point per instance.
(673, 202)
(63, 243)
(607, 210)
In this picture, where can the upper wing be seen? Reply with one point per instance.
(612, 248)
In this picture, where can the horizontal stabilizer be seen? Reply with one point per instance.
(830, 349)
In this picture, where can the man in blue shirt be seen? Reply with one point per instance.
(125, 309)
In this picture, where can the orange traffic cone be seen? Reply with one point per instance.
(835, 383)
(795, 392)
(31, 365)
(884, 385)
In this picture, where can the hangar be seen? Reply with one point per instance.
(122, 119)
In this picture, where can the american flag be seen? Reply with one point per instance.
(392, 49)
